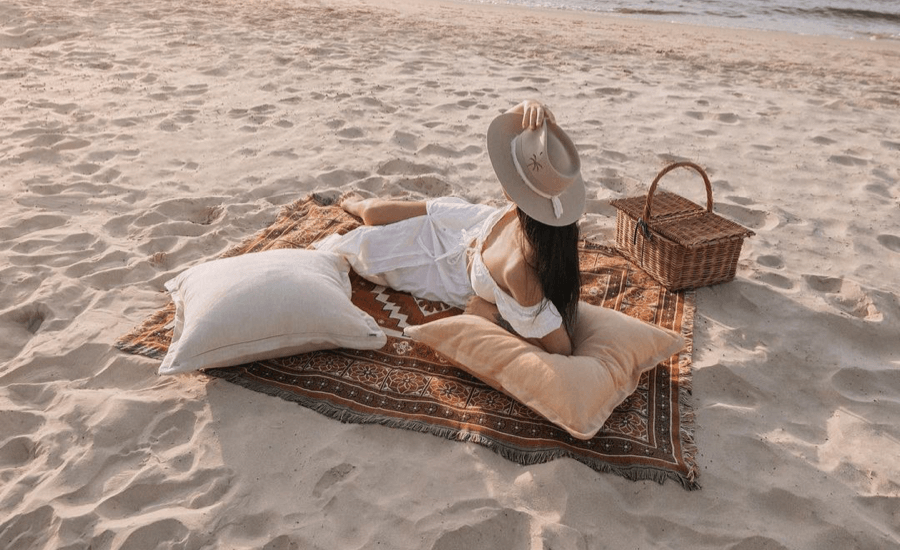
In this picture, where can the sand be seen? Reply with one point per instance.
(140, 138)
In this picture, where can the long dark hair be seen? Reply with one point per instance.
(554, 257)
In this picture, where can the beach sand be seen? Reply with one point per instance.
(140, 138)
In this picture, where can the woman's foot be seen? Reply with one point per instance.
(353, 203)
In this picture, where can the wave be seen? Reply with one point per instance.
(647, 11)
(843, 13)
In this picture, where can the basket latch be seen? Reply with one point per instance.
(643, 228)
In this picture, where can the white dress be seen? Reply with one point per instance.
(427, 256)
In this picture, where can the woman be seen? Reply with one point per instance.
(516, 266)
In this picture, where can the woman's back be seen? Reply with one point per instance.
(504, 255)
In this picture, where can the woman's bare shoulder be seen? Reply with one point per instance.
(522, 282)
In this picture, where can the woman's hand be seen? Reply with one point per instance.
(557, 341)
(533, 114)
(482, 308)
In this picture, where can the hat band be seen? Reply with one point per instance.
(554, 199)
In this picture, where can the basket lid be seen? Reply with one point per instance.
(699, 229)
(665, 205)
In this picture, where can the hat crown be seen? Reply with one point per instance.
(549, 163)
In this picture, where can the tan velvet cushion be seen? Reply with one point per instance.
(577, 393)
(262, 306)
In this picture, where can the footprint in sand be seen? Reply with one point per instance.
(193, 89)
(450, 107)
(264, 109)
(430, 186)
(107, 176)
(614, 156)
(17, 451)
(738, 199)
(822, 140)
(18, 327)
(867, 386)
(404, 167)
(727, 386)
(285, 153)
(748, 217)
(45, 140)
(405, 140)
(338, 178)
(847, 160)
(777, 280)
(126, 122)
(879, 189)
(614, 183)
(728, 118)
(844, 295)
(86, 168)
(59, 108)
(168, 125)
(609, 91)
(351, 133)
(891, 242)
(771, 261)
(70, 144)
(331, 477)
(186, 116)
(446, 152)
(773, 279)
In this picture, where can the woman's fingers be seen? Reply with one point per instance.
(548, 114)
(534, 114)
(526, 117)
(537, 117)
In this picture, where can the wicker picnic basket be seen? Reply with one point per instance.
(676, 241)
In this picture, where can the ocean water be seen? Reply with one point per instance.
(857, 19)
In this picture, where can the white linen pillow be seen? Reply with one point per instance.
(577, 392)
(264, 305)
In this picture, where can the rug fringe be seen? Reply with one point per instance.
(685, 395)
(139, 349)
(517, 455)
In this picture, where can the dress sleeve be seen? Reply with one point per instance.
(536, 321)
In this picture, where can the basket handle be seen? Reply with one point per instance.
(666, 170)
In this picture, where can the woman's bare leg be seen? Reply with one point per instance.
(382, 211)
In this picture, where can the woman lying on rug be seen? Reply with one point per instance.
(516, 266)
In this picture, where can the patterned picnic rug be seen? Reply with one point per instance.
(407, 385)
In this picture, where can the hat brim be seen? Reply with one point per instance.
(499, 142)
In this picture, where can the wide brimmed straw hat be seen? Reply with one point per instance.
(539, 169)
